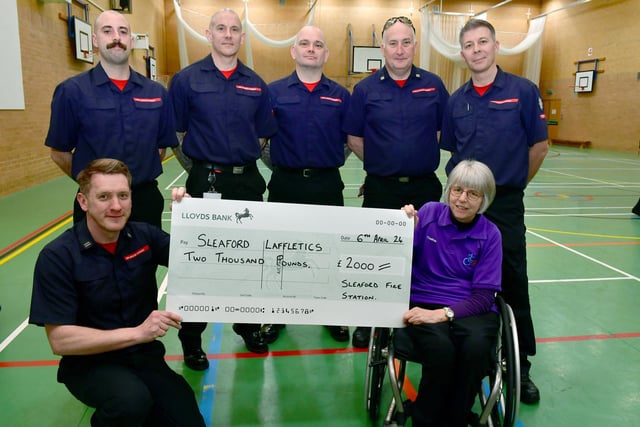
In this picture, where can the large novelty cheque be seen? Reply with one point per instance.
(255, 262)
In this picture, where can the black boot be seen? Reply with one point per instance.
(529, 392)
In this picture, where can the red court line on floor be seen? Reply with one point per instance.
(33, 234)
(589, 337)
(281, 353)
(324, 351)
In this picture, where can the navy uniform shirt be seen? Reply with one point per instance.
(223, 118)
(78, 282)
(309, 123)
(399, 125)
(90, 115)
(497, 128)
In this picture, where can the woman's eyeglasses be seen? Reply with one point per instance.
(472, 195)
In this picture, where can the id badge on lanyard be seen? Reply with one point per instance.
(212, 193)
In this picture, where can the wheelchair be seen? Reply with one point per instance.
(499, 392)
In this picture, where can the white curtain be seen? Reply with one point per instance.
(249, 28)
(440, 32)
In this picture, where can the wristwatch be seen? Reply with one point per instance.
(449, 313)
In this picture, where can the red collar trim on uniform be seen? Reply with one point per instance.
(482, 89)
(109, 247)
(120, 83)
(227, 73)
(401, 83)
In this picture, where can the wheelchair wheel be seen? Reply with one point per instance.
(376, 365)
(509, 354)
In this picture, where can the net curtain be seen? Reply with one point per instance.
(441, 31)
(249, 27)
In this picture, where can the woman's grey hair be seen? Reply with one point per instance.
(472, 174)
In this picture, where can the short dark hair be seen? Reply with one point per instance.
(102, 166)
(474, 23)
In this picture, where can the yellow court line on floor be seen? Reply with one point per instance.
(35, 240)
(575, 233)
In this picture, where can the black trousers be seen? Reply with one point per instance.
(307, 186)
(507, 213)
(248, 185)
(131, 389)
(147, 204)
(455, 356)
(395, 192)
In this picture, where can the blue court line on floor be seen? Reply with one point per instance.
(208, 394)
(487, 392)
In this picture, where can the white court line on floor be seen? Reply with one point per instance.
(565, 184)
(173, 183)
(580, 208)
(582, 177)
(590, 279)
(578, 214)
(13, 335)
(603, 264)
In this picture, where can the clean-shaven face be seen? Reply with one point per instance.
(310, 48)
(107, 204)
(464, 203)
(479, 49)
(225, 34)
(398, 49)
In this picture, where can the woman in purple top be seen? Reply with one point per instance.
(452, 321)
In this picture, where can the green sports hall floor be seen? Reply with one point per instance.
(584, 268)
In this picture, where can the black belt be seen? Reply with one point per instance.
(405, 178)
(306, 172)
(223, 168)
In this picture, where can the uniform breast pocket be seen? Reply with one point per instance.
(504, 116)
(504, 109)
(148, 119)
(99, 115)
(288, 110)
(379, 98)
(206, 99)
(378, 105)
(204, 88)
(464, 122)
(424, 105)
(140, 263)
(287, 100)
(152, 104)
(94, 287)
(330, 102)
(248, 98)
